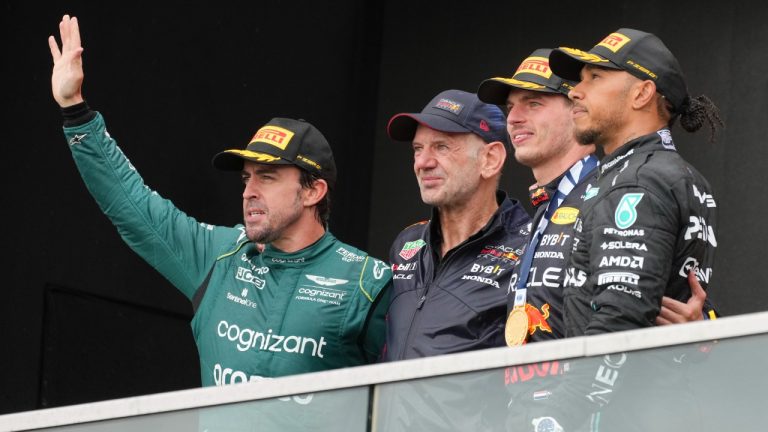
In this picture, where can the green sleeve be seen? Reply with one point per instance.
(375, 325)
(375, 285)
(179, 247)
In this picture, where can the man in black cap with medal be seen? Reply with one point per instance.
(541, 129)
(540, 125)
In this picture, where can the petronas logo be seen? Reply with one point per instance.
(626, 215)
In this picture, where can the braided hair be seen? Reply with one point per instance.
(696, 111)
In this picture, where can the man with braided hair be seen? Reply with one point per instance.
(540, 126)
(652, 218)
(645, 221)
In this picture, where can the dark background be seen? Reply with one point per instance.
(84, 319)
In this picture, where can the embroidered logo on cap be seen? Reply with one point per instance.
(583, 55)
(484, 125)
(614, 41)
(255, 156)
(309, 161)
(273, 135)
(518, 83)
(449, 105)
(535, 65)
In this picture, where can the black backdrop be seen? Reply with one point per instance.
(83, 319)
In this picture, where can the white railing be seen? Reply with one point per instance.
(724, 328)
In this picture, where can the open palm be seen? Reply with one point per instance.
(67, 76)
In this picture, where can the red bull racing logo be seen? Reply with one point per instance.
(500, 252)
(449, 105)
(539, 196)
(537, 320)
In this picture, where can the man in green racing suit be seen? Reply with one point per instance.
(307, 302)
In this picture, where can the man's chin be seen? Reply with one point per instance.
(430, 199)
(259, 236)
(586, 136)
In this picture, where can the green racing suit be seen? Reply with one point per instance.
(257, 315)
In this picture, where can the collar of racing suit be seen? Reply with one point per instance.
(542, 194)
(307, 255)
(655, 141)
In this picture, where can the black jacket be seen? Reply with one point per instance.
(544, 302)
(457, 303)
(652, 220)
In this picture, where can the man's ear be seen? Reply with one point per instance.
(315, 193)
(643, 94)
(493, 156)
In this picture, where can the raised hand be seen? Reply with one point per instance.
(673, 311)
(67, 76)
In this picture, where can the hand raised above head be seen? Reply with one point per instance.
(67, 76)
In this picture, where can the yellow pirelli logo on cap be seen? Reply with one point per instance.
(535, 65)
(273, 135)
(614, 41)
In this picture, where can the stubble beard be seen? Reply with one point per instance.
(589, 136)
(276, 223)
(600, 133)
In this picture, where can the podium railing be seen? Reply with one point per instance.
(699, 376)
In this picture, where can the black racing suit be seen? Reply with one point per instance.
(544, 303)
(571, 391)
(652, 220)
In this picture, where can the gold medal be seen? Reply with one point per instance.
(516, 330)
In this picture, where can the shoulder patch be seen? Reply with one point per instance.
(416, 224)
(379, 271)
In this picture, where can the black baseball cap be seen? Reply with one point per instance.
(453, 111)
(284, 141)
(533, 73)
(641, 54)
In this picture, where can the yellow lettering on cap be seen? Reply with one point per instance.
(614, 41)
(308, 161)
(535, 65)
(273, 135)
(642, 69)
